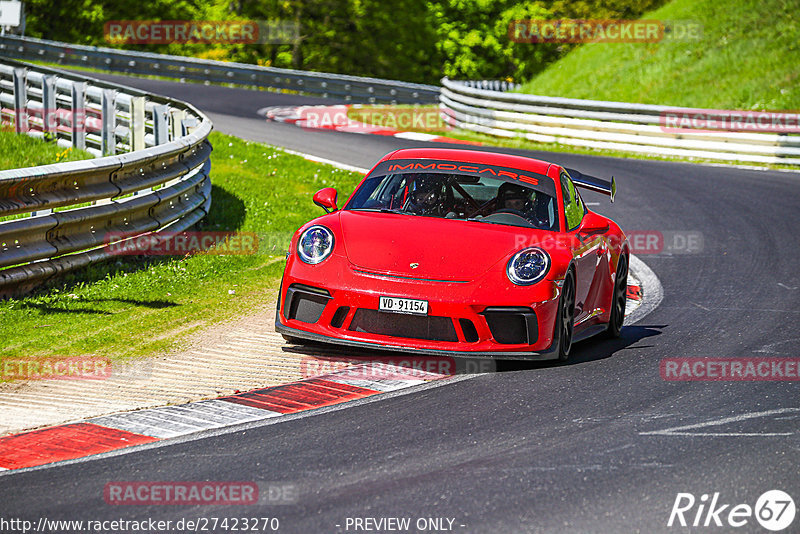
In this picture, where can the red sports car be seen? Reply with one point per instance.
(458, 252)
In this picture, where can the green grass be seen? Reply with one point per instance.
(136, 306)
(17, 151)
(748, 58)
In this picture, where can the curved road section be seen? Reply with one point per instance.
(609, 443)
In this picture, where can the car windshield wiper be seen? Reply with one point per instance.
(384, 210)
(505, 223)
(399, 212)
(481, 219)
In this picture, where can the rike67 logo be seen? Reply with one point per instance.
(774, 511)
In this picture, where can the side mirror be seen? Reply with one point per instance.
(593, 224)
(326, 199)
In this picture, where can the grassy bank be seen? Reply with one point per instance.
(135, 306)
(17, 151)
(747, 58)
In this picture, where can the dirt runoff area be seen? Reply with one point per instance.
(232, 357)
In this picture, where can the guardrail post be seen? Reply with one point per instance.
(79, 115)
(137, 123)
(160, 124)
(108, 144)
(20, 101)
(178, 129)
(49, 112)
(47, 243)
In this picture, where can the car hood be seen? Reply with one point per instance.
(441, 249)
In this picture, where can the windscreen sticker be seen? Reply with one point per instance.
(408, 166)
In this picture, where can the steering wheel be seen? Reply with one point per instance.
(512, 212)
(502, 216)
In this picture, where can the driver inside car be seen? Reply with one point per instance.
(514, 197)
(426, 197)
(518, 198)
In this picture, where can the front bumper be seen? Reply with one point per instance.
(551, 353)
(484, 318)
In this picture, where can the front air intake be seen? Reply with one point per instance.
(402, 325)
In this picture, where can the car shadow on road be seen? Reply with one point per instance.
(592, 349)
(322, 357)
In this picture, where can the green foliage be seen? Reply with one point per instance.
(82, 21)
(474, 42)
(410, 40)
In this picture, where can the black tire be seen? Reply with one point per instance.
(619, 298)
(565, 322)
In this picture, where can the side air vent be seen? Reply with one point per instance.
(305, 303)
(512, 325)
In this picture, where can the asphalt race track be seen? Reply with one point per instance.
(594, 446)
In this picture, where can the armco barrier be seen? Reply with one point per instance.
(152, 174)
(487, 107)
(353, 89)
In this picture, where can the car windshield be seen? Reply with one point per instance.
(457, 196)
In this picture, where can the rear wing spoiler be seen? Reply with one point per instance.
(594, 184)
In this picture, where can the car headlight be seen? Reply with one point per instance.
(315, 244)
(528, 266)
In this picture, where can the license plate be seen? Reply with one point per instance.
(396, 304)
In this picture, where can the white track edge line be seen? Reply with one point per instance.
(652, 291)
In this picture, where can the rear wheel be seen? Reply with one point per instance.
(618, 299)
(565, 323)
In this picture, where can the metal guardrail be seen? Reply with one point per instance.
(487, 107)
(153, 175)
(353, 89)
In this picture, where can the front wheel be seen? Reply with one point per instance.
(618, 299)
(565, 323)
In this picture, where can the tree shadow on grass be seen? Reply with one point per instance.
(48, 309)
(227, 214)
